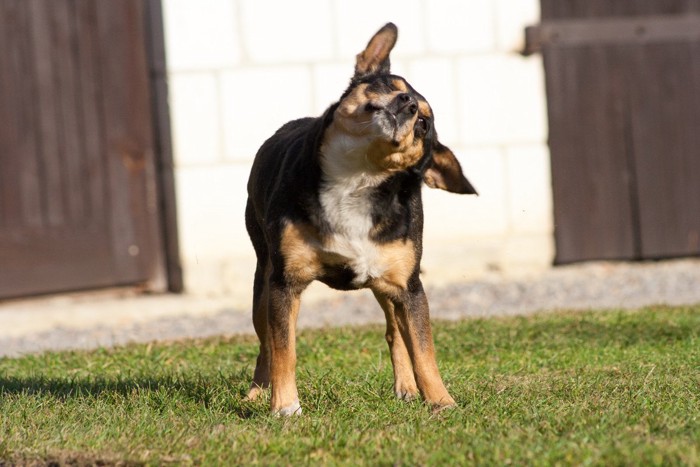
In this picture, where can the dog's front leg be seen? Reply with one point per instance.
(413, 320)
(404, 381)
(283, 309)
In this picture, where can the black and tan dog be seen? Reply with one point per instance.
(338, 199)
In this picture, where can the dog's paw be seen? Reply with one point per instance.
(443, 404)
(254, 392)
(437, 409)
(292, 409)
(405, 390)
(406, 393)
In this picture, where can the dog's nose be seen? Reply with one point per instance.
(407, 103)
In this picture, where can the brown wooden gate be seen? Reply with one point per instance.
(80, 191)
(623, 91)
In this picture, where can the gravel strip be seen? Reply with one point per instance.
(589, 286)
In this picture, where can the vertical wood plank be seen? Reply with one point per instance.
(67, 87)
(128, 138)
(9, 210)
(90, 112)
(48, 113)
(666, 126)
(29, 195)
(21, 193)
(587, 141)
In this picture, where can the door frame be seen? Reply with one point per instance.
(165, 167)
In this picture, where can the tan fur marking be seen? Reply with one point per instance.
(356, 99)
(301, 261)
(399, 261)
(283, 365)
(387, 156)
(424, 109)
(399, 258)
(400, 85)
(381, 99)
(350, 116)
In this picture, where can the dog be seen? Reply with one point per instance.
(337, 199)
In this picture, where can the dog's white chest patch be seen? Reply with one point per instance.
(347, 206)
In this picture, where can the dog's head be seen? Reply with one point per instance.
(382, 124)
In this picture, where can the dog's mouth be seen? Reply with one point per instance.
(393, 127)
(396, 119)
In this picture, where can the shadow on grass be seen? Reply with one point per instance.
(220, 395)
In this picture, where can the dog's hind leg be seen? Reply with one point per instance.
(283, 309)
(261, 377)
(404, 381)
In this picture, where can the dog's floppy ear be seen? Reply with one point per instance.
(375, 58)
(444, 172)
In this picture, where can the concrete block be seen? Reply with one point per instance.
(501, 99)
(399, 66)
(228, 276)
(460, 25)
(459, 260)
(200, 35)
(211, 208)
(526, 254)
(286, 32)
(357, 20)
(330, 80)
(450, 216)
(435, 79)
(194, 110)
(257, 101)
(529, 189)
(511, 19)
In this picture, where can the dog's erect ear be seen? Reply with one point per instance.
(444, 172)
(375, 58)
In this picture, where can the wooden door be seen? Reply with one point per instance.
(623, 92)
(79, 200)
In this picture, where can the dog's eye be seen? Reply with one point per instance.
(371, 108)
(421, 126)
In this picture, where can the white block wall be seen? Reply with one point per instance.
(239, 69)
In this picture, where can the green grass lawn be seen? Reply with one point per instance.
(568, 388)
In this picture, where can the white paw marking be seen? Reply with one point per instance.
(292, 409)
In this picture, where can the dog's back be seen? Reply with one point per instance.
(279, 161)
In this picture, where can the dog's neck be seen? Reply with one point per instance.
(345, 158)
(348, 181)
